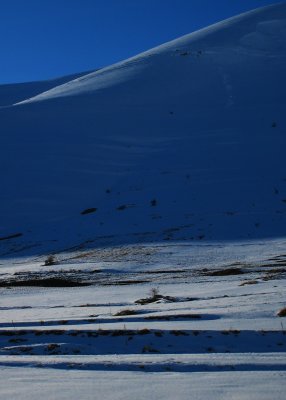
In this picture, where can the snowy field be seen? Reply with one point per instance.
(145, 321)
(48, 384)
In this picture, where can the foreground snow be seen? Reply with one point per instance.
(212, 319)
(31, 384)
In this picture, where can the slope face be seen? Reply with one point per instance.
(259, 30)
(185, 141)
(13, 93)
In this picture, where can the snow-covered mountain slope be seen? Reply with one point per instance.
(13, 93)
(185, 141)
(259, 31)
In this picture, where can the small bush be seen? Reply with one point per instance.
(144, 331)
(149, 349)
(51, 260)
(282, 312)
(53, 346)
(154, 296)
(153, 203)
(154, 292)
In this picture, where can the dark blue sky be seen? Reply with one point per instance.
(42, 39)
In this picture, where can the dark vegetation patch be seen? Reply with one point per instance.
(86, 277)
(125, 206)
(124, 283)
(173, 317)
(122, 207)
(17, 340)
(155, 298)
(25, 349)
(149, 349)
(122, 333)
(281, 256)
(47, 282)
(103, 332)
(230, 332)
(179, 333)
(144, 331)
(278, 263)
(250, 282)
(13, 333)
(87, 305)
(125, 312)
(168, 271)
(276, 273)
(54, 278)
(53, 346)
(117, 332)
(89, 211)
(172, 230)
(15, 235)
(267, 266)
(54, 332)
(282, 312)
(224, 272)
